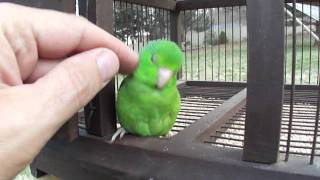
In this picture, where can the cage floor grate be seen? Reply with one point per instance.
(196, 102)
(231, 134)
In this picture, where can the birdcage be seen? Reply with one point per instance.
(249, 89)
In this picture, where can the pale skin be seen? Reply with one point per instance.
(51, 65)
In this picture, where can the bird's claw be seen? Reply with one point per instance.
(120, 132)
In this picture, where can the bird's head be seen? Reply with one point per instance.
(159, 63)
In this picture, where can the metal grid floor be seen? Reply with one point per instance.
(196, 102)
(231, 134)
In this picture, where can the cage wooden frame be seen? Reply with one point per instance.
(83, 154)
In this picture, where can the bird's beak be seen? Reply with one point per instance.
(163, 77)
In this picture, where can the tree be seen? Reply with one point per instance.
(222, 38)
(197, 20)
(132, 21)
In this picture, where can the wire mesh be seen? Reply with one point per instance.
(198, 101)
(136, 25)
(214, 41)
(215, 44)
(305, 54)
(306, 22)
(231, 133)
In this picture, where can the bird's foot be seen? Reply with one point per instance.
(120, 132)
(167, 136)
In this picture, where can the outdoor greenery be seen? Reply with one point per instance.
(212, 39)
(228, 62)
(26, 175)
(215, 63)
(200, 20)
(131, 21)
(222, 38)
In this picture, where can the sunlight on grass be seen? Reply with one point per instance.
(25, 175)
(228, 62)
(217, 63)
(307, 60)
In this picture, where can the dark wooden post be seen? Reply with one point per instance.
(176, 26)
(100, 113)
(176, 30)
(59, 5)
(265, 80)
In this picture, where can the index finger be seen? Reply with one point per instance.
(60, 35)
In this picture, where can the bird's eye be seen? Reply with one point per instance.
(154, 58)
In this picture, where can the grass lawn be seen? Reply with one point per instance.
(227, 62)
(26, 175)
(218, 63)
(307, 60)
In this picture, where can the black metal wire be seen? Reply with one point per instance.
(191, 58)
(315, 133)
(240, 65)
(139, 25)
(286, 46)
(205, 45)
(293, 74)
(225, 44)
(143, 24)
(160, 26)
(302, 41)
(318, 46)
(153, 17)
(127, 22)
(198, 44)
(218, 44)
(300, 127)
(132, 29)
(165, 17)
(147, 21)
(168, 23)
(164, 20)
(310, 44)
(144, 14)
(163, 24)
(141, 17)
(232, 66)
(185, 45)
(246, 45)
(211, 40)
(115, 30)
(159, 23)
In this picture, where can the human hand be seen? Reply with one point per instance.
(51, 65)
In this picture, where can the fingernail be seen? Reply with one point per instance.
(108, 64)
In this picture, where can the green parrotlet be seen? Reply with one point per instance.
(148, 100)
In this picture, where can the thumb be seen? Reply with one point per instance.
(72, 83)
